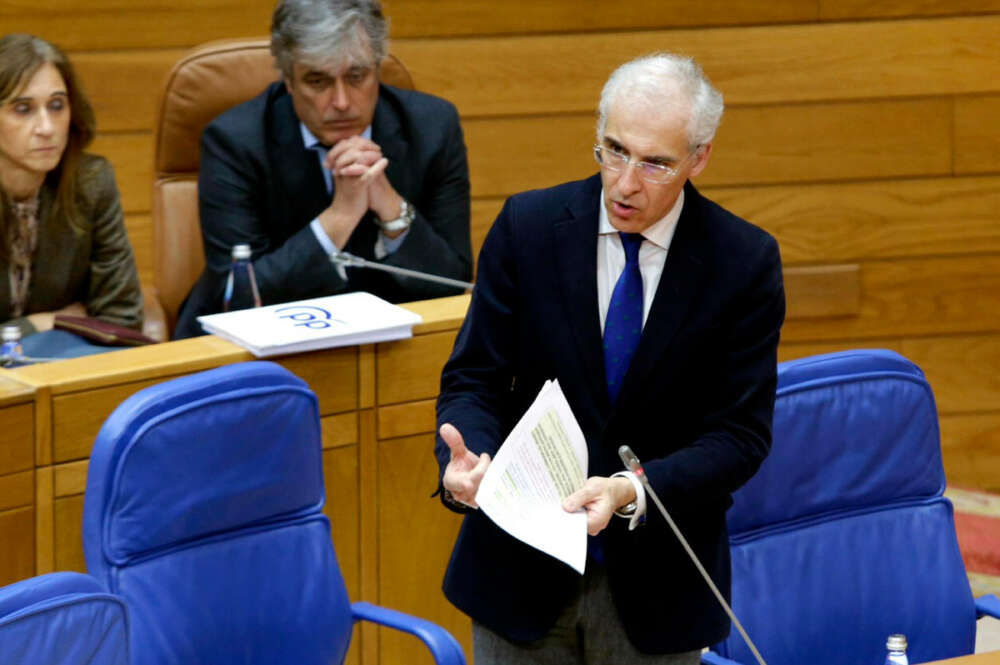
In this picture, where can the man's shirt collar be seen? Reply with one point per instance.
(660, 233)
(310, 141)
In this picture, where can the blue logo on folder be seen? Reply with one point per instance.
(307, 316)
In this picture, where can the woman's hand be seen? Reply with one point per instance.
(43, 321)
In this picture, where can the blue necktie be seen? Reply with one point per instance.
(623, 324)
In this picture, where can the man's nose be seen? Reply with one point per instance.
(629, 181)
(340, 100)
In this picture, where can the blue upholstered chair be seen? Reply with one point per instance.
(203, 509)
(843, 537)
(62, 619)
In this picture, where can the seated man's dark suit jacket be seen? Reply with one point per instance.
(258, 184)
(696, 406)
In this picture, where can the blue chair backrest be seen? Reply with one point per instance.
(64, 618)
(843, 537)
(203, 509)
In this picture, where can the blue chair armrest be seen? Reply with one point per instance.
(445, 648)
(988, 606)
(712, 658)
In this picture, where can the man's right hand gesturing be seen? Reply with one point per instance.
(465, 470)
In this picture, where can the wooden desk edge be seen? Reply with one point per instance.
(988, 658)
(13, 391)
(180, 357)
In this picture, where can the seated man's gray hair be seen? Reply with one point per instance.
(319, 32)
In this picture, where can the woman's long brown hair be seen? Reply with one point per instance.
(21, 56)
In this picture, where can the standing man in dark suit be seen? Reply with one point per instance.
(659, 313)
(326, 160)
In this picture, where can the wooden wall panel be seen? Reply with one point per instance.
(756, 65)
(124, 24)
(977, 142)
(407, 469)
(849, 141)
(914, 298)
(849, 221)
(475, 17)
(794, 350)
(822, 291)
(484, 213)
(132, 157)
(755, 145)
(963, 370)
(125, 87)
(971, 447)
(845, 9)
(509, 155)
(486, 76)
(17, 533)
(884, 219)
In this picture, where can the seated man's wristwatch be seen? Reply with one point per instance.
(401, 223)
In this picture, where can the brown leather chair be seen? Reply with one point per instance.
(208, 80)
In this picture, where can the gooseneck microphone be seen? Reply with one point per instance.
(631, 463)
(351, 261)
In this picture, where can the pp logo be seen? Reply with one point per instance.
(307, 316)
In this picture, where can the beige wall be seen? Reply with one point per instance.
(861, 133)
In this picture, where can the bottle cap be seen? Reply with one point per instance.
(11, 334)
(241, 252)
(896, 642)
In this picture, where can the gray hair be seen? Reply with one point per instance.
(324, 31)
(656, 79)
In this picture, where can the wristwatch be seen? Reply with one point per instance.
(627, 510)
(401, 223)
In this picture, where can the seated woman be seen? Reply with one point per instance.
(63, 244)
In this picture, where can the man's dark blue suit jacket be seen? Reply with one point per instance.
(258, 184)
(696, 406)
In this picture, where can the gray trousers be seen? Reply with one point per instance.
(588, 632)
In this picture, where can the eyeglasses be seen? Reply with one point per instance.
(658, 174)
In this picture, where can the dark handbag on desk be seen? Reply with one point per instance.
(101, 332)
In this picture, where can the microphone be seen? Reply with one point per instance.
(631, 463)
(351, 261)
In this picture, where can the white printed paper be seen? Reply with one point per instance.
(543, 460)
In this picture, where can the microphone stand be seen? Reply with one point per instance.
(632, 464)
(351, 261)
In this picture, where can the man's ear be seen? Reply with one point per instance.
(701, 161)
(288, 84)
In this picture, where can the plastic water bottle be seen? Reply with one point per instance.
(241, 283)
(896, 644)
(11, 352)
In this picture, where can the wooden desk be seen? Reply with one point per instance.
(991, 658)
(377, 408)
